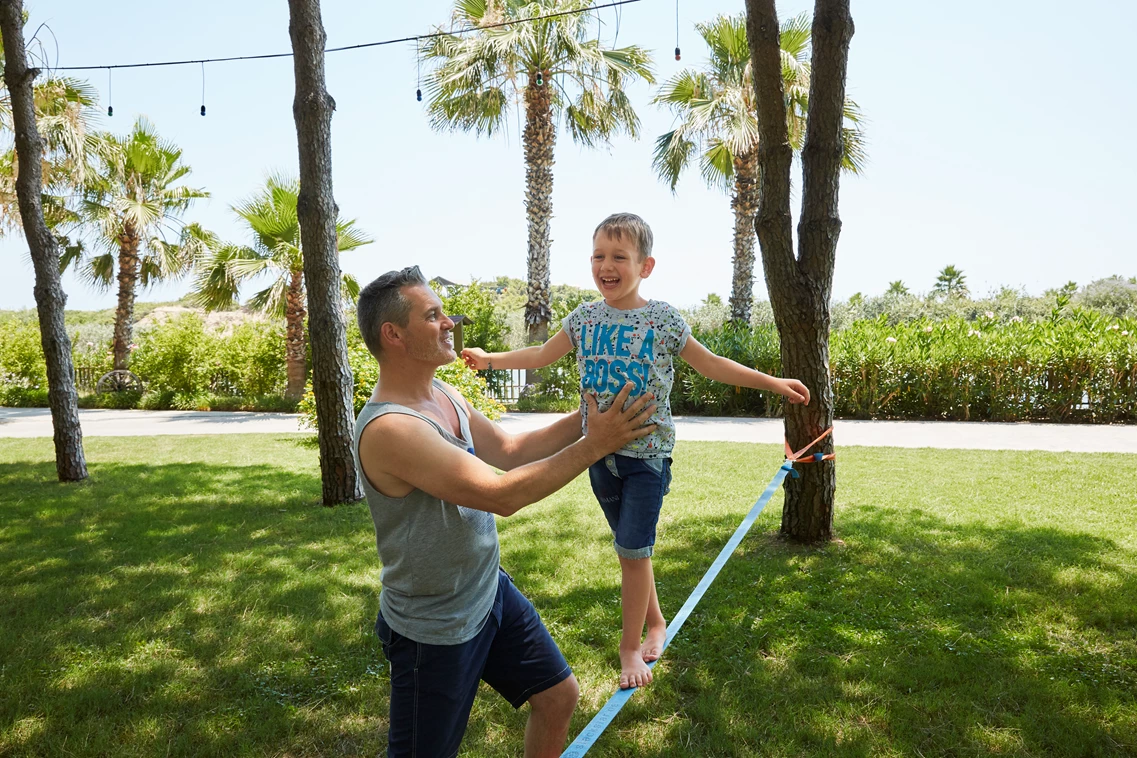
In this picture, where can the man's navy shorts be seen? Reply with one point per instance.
(433, 686)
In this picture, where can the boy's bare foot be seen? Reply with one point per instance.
(653, 644)
(633, 671)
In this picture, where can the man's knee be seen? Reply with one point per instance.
(558, 700)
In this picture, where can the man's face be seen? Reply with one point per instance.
(427, 335)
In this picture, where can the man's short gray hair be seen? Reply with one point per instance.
(383, 301)
(619, 224)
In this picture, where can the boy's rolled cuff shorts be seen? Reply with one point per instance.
(630, 492)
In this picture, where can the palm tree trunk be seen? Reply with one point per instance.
(128, 242)
(745, 206)
(316, 208)
(295, 352)
(801, 286)
(539, 138)
(70, 462)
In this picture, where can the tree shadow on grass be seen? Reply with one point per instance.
(196, 609)
(187, 609)
(915, 636)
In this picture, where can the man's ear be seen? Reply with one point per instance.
(389, 333)
(646, 267)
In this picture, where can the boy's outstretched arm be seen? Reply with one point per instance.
(537, 356)
(729, 372)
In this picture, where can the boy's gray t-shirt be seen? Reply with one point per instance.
(440, 560)
(616, 346)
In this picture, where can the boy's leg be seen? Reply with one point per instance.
(645, 482)
(656, 623)
(656, 629)
(636, 584)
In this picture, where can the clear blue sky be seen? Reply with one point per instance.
(998, 142)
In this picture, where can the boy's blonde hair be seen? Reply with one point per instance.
(619, 224)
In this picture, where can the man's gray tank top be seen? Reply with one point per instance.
(440, 560)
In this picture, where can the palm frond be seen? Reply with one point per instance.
(272, 300)
(794, 38)
(672, 154)
(348, 237)
(71, 252)
(686, 88)
(99, 271)
(716, 164)
(726, 38)
(350, 289)
(853, 141)
(476, 78)
(216, 283)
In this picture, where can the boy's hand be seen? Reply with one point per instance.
(611, 430)
(793, 390)
(476, 358)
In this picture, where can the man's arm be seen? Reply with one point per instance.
(410, 450)
(729, 372)
(537, 356)
(506, 451)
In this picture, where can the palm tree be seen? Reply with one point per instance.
(951, 283)
(270, 215)
(716, 111)
(897, 288)
(134, 203)
(64, 115)
(556, 69)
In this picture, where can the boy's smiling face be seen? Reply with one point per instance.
(617, 268)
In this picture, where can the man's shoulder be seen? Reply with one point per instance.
(394, 420)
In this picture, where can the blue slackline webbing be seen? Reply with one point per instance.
(604, 717)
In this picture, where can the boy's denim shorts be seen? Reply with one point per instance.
(433, 686)
(630, 491)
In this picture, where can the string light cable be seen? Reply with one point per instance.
(414, 38)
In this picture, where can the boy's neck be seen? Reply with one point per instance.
(628, 302)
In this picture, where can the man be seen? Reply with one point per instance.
(448, 615)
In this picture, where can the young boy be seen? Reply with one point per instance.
(625, 338)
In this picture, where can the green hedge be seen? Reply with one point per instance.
(1081, 367)
(183, 364)
(1075, 366)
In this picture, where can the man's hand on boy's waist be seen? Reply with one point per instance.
(610, 430)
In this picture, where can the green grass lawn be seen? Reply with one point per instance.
(193, 599)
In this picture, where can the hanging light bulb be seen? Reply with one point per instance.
(418, 71)
(203, 88)
(677, 55)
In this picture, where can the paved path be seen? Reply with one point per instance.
(36, 422)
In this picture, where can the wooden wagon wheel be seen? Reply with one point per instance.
(119, 380)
